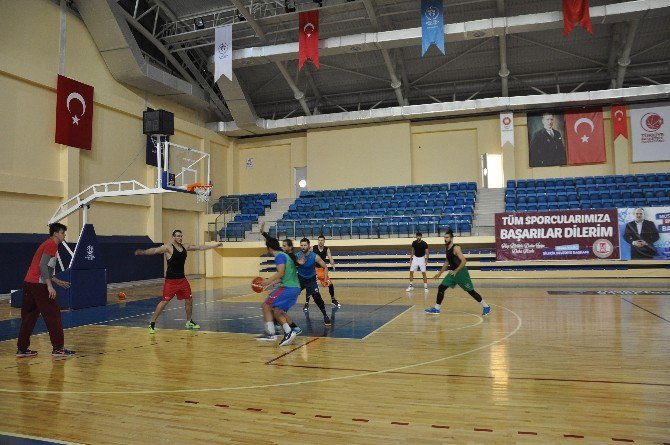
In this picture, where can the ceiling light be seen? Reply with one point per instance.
(199, 23)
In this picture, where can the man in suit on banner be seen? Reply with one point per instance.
(641, 234)
(547, 147)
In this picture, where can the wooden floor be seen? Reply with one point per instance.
(541, 369)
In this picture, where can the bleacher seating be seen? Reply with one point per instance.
(380, 211)
(391, 260)
(251, 207)
(591, 192)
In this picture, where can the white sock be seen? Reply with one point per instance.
(483, 303)
(425, 285)
(286, 327)
(438, 306)
(270, 327)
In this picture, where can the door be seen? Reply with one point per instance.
(299, 180)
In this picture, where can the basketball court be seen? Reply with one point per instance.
(540, 369)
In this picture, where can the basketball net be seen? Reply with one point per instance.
(203, 192)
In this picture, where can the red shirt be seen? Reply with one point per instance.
(50, 248)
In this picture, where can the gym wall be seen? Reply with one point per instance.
(37, 174)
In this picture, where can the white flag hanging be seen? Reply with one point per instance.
(223, 52)
(506, 129)
(651, 132)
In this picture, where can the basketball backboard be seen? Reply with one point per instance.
(180, 167)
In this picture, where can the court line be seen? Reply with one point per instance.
(333, 329)
(285, 384)
(481, 320)
(428, 374)
(43, 439)
(646, 310)
(388, 322)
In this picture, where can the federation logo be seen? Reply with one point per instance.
(506, 121)
(89, 253)
(432, 13)
(223, 50)
(603, 248)
(651, 122)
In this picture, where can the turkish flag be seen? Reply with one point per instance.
(619, 121)
(576, 11)
(586, 137)
(308, 41)
(74, 113)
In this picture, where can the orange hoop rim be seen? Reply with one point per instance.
(198, 185)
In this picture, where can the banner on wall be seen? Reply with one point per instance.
(651, 132)
(546, 143)
(74, 113)
(620, 121)
(506, 129)
(585, 136)
(644, 233)
(567, 235)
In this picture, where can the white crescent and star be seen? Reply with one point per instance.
(80, 98)
(618, 114)
(308, 25)
(584, 120)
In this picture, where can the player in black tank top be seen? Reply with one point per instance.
(175, 279)
(458, 275)
(324, 253)
(175, 264)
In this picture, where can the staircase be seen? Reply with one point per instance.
(489, 202)
(272, 215)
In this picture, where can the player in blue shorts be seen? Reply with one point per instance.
(280, 300)
(307, 276)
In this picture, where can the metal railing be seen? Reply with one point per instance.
(366, 227)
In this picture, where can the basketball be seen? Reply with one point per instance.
(121, 295)
(256, 285)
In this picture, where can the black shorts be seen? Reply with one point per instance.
(310, 284)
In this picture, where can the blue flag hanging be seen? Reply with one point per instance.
(432, 25)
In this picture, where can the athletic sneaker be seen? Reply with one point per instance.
(267, 337)
(192, 325)
(288, 339)
(152, 330)
(305, 307)
(335, 303)
(410, 288)
(25, 353)
(326, 321)
(425, 289)
(486, 310)
(279, 329)
(297, 330)
(433, 311)
(62, 352)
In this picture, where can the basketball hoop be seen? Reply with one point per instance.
(203, 192)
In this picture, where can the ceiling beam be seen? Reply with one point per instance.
(502, 49)
(396, 84)
(454, 32)
(624, 60)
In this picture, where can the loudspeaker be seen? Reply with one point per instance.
(158, 122)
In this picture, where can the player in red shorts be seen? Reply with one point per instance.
(175, 280)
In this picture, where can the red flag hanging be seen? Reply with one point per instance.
(74, 113)
(585, 136)
(619, 121)
(308, 41)
(576, 11)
